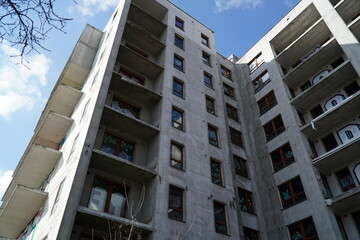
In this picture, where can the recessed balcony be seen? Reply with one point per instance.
(302, 47)
(332, 118)
(301, 73)
(138, 37)
(346, 202)
(146, 21)
(19, 209)
(120, 167)
(52, 129)
(100, 221)
(337, 158)
(337, 78)
(133, 60)
(116, 119)
(33, 169)
(348, 9)
(354, 26)
(64, 99)
(124, 86)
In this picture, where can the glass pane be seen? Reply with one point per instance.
(98, 195)
(276, 157)
(177, 119)
(310, 230)
(175, 198)
(210, 106)
(208, 80)
(265, 77)
(109, 144)
(212, 136)
(176, 153)
(345, 179)
(295, 232)
(178, 42)
(117, 202)
(177, 88)
(126, 150)
(220, 218)
(215, 169)
(287, 151)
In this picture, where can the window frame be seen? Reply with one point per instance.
(254, 234)
(181, 59)
(137, 110)
(284, 162)
(302, 230)
(177, 36)
(182, 23)
(181, 162)
(179, 210)
(212, 101)
(132, 76)
(214, 177)
(175, 92)
(174, 122)
(237, 138)
(242, 171)
(293, 196)
(268, 103)
(223, 206)
(225, 72)
(257, 63)
(206, 38)
(118, 145)
(233, 112)
(206, 58)
(262, 83)
(349, 175)
(247, 205)
(206, 74)
(229, 91)
(212, 127)
(275, 131)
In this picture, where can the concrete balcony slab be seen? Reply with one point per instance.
(348, 9)
(133, 60)
(300, 74)
(354, 26)
(338, 158)
(120, 167)
(124, 86)
(333, 118)
(19, 209)
(346, 202)
(64, 100)
(337, 78)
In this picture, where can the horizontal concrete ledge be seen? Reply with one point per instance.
(64, 100)
(100, 221)
(17, 212)
(337, 158)
(120, 167)
(347, 201)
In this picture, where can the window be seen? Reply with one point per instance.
(205, 40)
(179, 23)
(313, 149)
(216, 176)
(206, 58)
(179, 41)
(306, 86)
(125, 108)
(352, 88)
(316, 111)
(176, 155)
(267, 102)
(118, 146)
(229, 91)
(225, 72)
(208, 80)
(329, 142)
(220, 218)
(337, 62)
(274, 128)
(57, 196)
(251, 234)
(178, 88)
(232, 112)
(282, 157)
(345, 179)
(240, 166)
(356, 217)
(256, 62)
(210, 105)
(292, 193)
(213, 136)
(235, 137)
(304, 230)
(107, 197)
(261, 81)
(131, 76)
(246, 202)
(176, 206)
(177, 118)
(179, 63)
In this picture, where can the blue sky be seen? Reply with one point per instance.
(238, 25)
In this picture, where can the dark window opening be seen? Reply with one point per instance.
(329, 142)
(292, 193)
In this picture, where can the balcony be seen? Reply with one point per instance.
(19, 209)
(124, 86)
(64, 99)
(133, 60)
(337, 158)
(346, 202)
(52, 129)
(132, 126)
(354, 26)
(149, 22)
(295, 28)
(34, 168)
(337, 78)
(327, 52)
(311, 38)
(332, 118)
(348, 10)
(138, 37)
(100, 221)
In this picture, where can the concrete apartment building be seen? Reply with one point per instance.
(266, 146)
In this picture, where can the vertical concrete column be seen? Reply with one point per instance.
(341, 32)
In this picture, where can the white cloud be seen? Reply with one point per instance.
(19, 84)
(223, 5)
(5, 179)
(92, 7)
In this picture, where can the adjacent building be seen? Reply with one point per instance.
(149, 127)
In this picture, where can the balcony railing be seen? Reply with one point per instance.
(346, 202)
